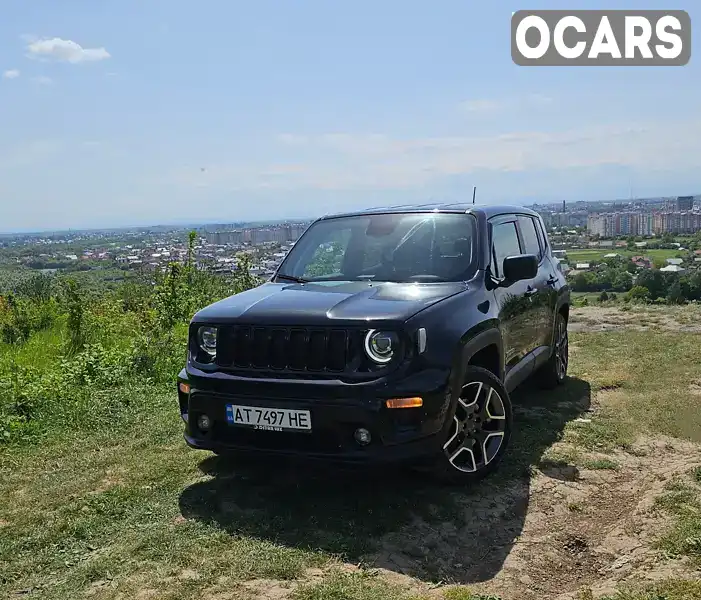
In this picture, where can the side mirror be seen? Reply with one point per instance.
(518, 268)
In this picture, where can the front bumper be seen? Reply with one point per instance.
(397, 435)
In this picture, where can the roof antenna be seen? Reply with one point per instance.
(474, 193)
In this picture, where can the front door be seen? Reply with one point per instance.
(515, 304)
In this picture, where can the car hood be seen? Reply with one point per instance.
(328, 303)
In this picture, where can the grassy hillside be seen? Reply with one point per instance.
(100, 498)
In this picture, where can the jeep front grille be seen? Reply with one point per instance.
(290, 349)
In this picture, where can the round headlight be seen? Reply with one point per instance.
(207, 339)
(380, 346)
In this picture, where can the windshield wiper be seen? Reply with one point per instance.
(292, 278)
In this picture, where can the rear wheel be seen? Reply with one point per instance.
(554, 372)
(480, 430)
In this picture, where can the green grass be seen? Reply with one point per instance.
(675, 589)
(638, 372)
(682, 499)
(575, 256)
(600, 464)
(361, 585)
(119, 506)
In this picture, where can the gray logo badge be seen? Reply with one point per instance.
(601, 37)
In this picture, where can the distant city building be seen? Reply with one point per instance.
(643, 223)
(685, 203)
(258, 235)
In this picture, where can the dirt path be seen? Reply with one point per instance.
(583, 528)
(574, 529)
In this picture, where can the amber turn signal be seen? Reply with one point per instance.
(184, 388)
(405, 403)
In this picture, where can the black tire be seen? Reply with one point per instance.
(554, 372)
(483, 416)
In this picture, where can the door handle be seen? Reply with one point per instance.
(530, 291)
(552, 280)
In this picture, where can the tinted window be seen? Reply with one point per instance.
(530, 236)
(504, 244)
(541, 235)
(386, 247)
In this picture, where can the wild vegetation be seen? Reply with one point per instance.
(81, 355)
(619, 275)
(100, 498)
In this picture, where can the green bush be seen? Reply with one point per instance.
(111, 348)
(638, 293)
(20, 317)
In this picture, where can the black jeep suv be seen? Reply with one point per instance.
(392, 334)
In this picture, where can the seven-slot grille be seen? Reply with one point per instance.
(289, 348)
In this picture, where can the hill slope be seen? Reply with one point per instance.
(601, 491)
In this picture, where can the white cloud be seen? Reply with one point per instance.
(65, 50)
(487, 105)
(482, 105)
(42, 80)
(11, 74)
(337, 161)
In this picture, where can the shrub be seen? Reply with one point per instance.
(638, 293)
(75, 323)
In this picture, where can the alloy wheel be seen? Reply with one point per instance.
(479, 428)
(561, 349)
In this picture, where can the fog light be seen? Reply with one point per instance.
(362, 436)
(204, 422)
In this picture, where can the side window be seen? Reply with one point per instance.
(542, 236)
(530, 237)
(504, 243)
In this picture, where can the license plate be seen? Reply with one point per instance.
(269, 419)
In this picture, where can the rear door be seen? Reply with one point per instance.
(540, 289)
(516, 311)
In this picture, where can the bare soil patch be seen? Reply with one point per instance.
(582, 528)
(637, 317)
(567, 529)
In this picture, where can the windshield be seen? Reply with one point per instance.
(408, 247)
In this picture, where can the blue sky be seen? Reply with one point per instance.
(129, 113)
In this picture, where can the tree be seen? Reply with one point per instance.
(191, 238)
(76, 319)
(243, 279)
(638, 293)
(694, 283)
(622, 282)
(676, 294)
(654, 281)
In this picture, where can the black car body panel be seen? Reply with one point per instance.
(328, 303)
(300, 346)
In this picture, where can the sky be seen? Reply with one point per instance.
(126, 112)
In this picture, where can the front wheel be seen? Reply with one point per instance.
(480, 429)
